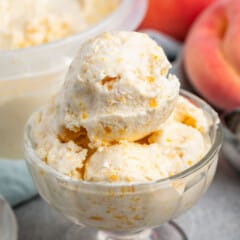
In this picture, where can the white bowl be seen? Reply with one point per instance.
(8, 223)
(29, 76)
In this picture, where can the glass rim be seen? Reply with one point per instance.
(114, 15)
(217, 142)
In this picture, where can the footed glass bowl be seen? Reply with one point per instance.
(130, 211)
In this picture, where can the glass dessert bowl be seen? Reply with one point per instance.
(126, 211)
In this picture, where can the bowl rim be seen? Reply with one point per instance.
(217, 142)
(122, 7)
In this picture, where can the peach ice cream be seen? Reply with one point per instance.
(117, 88)
(118, 117)
(45, 21)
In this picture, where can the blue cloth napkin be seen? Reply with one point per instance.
(15, 181)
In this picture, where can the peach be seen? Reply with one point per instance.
(212, 54)
(173, 17)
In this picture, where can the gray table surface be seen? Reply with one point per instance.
(216, 216)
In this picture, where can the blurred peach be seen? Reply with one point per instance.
(173, 17)
(212, 54)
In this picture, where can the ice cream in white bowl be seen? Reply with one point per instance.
(38, 40)
(109, 176)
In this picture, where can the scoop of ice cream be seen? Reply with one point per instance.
(171, 150)
(174, 147)
(118, 118)
(181, 144)
(126, 162)
(117, 88)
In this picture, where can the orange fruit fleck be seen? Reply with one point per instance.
(155, 57)
(151, 79)
(113, 178)
(153, 102)
(136, 218)
(109, 87)
(190, 121)
(84, 115)
(107, 129)
(64, 25)
(189, 162)
(96, 218)
(163, 71)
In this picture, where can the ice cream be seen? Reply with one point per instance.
(106, 155)
(33, 22)
(176, 148)
(117, 88)
(118, 117)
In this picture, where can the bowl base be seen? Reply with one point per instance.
(168, 231)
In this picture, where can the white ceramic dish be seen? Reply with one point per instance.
(8, 223)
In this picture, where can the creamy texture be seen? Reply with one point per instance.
(126, 162)
(31, 22)
(103, 126)
(117, 88)
(65, 157)
(176, 146)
